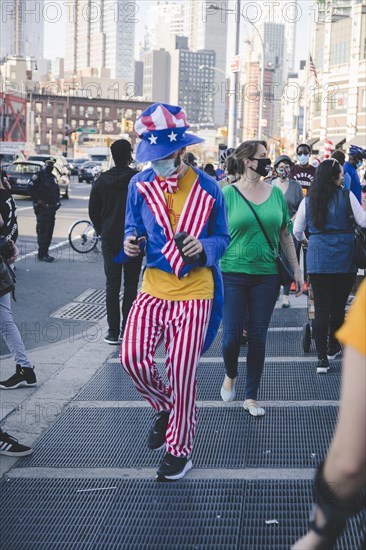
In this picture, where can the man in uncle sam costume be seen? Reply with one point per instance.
(181, 297)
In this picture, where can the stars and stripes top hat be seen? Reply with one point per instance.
(162, 129)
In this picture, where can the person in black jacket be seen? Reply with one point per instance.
(8, 211)
(107, 205)
(45, 194)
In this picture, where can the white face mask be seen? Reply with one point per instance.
(303, 159)
(164, 168)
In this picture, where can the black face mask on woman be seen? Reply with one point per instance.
(263, 167)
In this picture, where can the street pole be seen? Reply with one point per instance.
(234, 84)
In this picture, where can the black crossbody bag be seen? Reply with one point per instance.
(285, 272)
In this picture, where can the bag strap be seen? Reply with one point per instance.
(258, 220)
(351, 216)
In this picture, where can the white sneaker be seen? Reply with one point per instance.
(253, 408)
(228, 395)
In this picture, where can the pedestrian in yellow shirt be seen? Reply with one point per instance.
(340, 479)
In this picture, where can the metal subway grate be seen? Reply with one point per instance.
(295, 317)
(80, 311)
(293, 437)
(89, 306)
(287, 504)
(92, 296)
(279, 344)
(280, 381)
(56, 513)
(143, 514)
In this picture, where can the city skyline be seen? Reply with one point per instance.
(53, 49)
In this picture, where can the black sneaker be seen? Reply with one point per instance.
(48, 259)
(156, 438)
(9, 446)
(334, 351)
(322, 366)
(23, 377)
(173, 467)
(112, 339)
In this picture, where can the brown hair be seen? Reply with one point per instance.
(339, 155)
(246, 150)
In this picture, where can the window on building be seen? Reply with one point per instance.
(363, 38)
(49, 121)
(60, 123)
(38, 107)
(363, 103)
(60, 109)
(73, 109)
(81, 122)
(340, 53)
(73, 123)
(90, 110)
(338, 102)
(81, 110)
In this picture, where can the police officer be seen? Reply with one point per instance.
(45, 193)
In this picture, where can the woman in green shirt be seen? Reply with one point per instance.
(250, 274)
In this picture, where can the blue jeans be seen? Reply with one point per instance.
(256, 295)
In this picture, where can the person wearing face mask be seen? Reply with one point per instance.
(303, 172)
(331, 268)
(45, 193)
(107, 205)
(180, 211)
(249, 268)
(292, 192)
(355, 159)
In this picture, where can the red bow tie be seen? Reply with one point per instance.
(170, 184)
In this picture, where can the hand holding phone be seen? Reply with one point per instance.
(179, 241)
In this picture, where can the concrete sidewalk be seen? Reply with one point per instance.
(66, 351)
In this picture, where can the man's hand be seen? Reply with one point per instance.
(131, 249)
(192, 246)
(13, 251)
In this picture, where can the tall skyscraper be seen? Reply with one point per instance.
(168, 23)
(208, 31)
(273, 42)
(22, 28)
(156, 83)
(101, 35)
(190, 84)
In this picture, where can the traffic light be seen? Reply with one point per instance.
(130, 125)
(108, 141)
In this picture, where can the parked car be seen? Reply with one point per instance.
(72, 166)
(21, 171)
(60, 160)
(77, 164)
(89, 171)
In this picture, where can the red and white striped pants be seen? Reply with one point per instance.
(183, 326)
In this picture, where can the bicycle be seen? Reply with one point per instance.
(82, 236)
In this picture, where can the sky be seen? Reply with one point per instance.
(56, 47)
